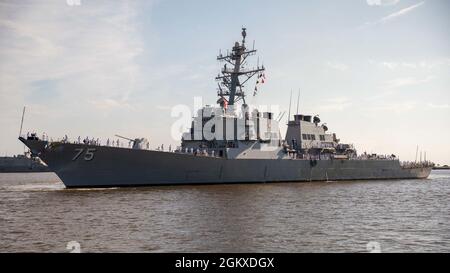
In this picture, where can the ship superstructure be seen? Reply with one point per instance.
(234, 131)
(231, 129)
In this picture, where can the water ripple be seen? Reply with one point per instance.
(38, 214)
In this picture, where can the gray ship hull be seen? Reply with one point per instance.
(79, 165)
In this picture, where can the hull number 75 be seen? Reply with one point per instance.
(88, 156)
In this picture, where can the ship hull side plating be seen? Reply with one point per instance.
(113, 166)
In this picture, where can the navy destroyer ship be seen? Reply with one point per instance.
(227, 143)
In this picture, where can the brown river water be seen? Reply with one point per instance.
(37, 214)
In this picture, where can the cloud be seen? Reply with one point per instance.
(382, 2)
(107, 104)
(401, 12)
(393, 16)
(424, 64)
(337, 66)
(164, 107)
(395, 65)
(408, 81)
(84, 53)
(398, 108)
(438, 106)
(335, 104)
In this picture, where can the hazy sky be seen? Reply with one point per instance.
(377, 71)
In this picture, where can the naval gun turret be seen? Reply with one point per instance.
(138, 143)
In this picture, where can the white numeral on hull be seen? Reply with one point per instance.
(88, 156)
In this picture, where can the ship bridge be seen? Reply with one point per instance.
(306, 135)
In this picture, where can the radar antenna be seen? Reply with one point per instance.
(232, 80)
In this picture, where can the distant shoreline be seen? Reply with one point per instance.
(442, 168)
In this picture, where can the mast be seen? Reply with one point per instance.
(21, 123)
(232, 80)
(290, 103)
(417, 151)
